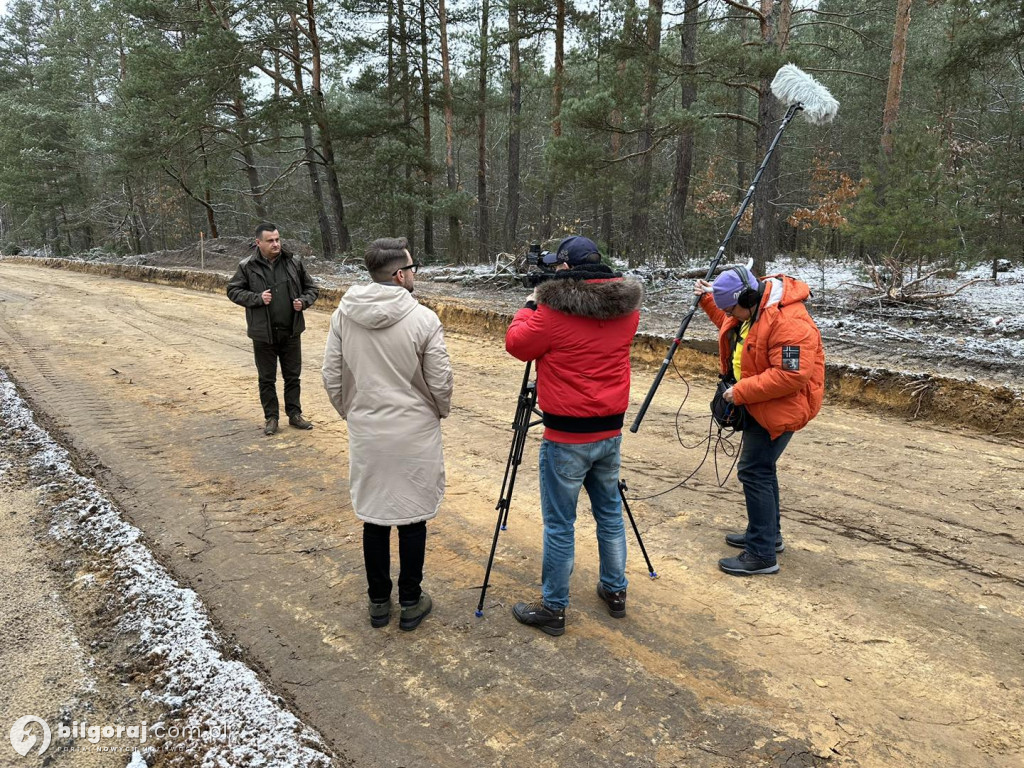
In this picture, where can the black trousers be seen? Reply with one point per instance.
(412, 545)
(289, 351)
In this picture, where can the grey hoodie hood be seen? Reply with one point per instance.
(377, 305)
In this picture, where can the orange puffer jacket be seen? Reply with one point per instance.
(783, 361)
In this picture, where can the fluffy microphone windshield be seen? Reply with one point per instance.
(794, 86)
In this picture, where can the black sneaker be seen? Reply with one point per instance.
(538, 615)
(298, 422)
(747, 565)
(270, 427)
(739, 540)
(413, 614)
(616, 601)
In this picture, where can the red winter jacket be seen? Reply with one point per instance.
(580, 335)
(783, 362)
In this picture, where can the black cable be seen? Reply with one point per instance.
(721, 441)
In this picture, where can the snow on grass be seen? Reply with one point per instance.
(196, 683)
(982, 302)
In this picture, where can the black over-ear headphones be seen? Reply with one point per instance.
(749, 297)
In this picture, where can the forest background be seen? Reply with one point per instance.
(472, 128)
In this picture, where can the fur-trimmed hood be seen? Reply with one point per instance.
(592, 291)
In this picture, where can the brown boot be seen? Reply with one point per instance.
(299, 423)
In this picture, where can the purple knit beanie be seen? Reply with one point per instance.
(729, 285)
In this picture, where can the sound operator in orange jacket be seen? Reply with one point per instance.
(771, 352)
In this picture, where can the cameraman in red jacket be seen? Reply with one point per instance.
(771, 350)
(579, 326)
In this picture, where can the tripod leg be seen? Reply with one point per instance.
(625, 505)
(502, 510)
(515, 458)
(520, 425)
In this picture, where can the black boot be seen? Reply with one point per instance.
(739, 540)
(547, 620)
(413, 614)
(616, 601)
(748, 565)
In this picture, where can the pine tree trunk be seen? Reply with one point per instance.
(333, 184)
(547, 225)
(607, 201)
(897, 61)
(640, 216)
(741, 141)
(684, 144)
(242, 126)
(133, 231)
(211, 221)
(410, 211)
(319, 109)
(483, 224)
(515, 103)
(324, 222)
(428, 161)
(147, 235)
(392, 212)
(615, 120)
(245, 140)
(764, 236)
(454, 224)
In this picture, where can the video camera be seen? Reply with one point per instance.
(542, 266)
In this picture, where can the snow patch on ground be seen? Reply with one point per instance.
(195, 682)
(976, 333)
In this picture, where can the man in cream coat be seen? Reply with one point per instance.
(387, 373)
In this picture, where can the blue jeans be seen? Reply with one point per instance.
(756, 470)
(564, 469)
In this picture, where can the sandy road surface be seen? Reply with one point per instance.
(45, 666)
(892, 635)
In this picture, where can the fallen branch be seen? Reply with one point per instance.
(949, 294)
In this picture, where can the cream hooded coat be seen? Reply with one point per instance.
(387, 373)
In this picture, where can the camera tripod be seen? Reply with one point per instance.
(525, 411)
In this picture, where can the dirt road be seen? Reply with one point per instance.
(46, 666)
(892, 635)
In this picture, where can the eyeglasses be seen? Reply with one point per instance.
(414, 267)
